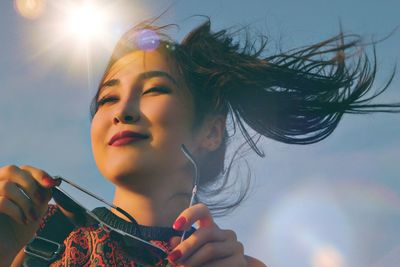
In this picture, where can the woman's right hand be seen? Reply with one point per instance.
(24, 197)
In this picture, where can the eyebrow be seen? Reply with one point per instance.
(140, 78)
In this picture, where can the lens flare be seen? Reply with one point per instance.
(331, 224)
(327, 256)
(147, 40)
(308, 225)
(30, 9)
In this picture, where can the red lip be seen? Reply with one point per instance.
(126, 137)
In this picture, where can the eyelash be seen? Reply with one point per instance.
(107, 99)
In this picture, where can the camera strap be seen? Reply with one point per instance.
(48, 244)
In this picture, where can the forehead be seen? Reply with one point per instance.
(140, 61)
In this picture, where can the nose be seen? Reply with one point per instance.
(127, 113)
(124, 119)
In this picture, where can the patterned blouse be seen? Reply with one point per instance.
(93, 246)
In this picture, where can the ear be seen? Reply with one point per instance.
(213, 132)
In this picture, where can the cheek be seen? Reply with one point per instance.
(97, 134)
(94, 130)
(170, 115)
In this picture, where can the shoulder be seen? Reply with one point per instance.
(253, 262)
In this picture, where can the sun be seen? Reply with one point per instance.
(78, 35)
(86, 22)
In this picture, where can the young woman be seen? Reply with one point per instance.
(157, 95)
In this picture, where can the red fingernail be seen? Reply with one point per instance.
(179, 223)
(50, 182)
(174, 256)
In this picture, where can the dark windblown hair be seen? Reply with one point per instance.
(294, 97)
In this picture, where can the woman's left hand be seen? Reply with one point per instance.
(208, 245)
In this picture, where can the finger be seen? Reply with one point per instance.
(15, 194)
(212, 252)
(44, 180)
(12, 210)
(23, 179)
(197, 240)
(41, 177)
(197, 213)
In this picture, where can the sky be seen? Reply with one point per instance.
(331, 204)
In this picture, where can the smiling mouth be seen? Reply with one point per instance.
(126, 137)
(126, 140)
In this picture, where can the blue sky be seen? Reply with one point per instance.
(335, 203)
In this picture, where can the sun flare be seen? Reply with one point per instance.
(86, 22)
(78, 35)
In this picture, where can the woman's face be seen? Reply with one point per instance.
(142, 93)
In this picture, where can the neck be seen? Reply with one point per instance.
(158, 204)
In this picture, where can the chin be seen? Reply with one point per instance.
(121, 169)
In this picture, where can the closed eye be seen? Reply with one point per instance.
(157, 89)
(106, 99)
